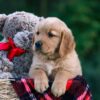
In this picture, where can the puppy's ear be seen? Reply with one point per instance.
(67, 42)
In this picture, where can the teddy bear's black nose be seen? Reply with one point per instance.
(38, 45)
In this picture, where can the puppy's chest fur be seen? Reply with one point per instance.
(40, 61)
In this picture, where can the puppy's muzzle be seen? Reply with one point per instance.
(38, 45)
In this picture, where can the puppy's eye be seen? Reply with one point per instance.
(37, 33)
(50, 34)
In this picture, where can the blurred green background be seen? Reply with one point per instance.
(83, 17)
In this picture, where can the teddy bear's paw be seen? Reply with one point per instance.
(7, 68)
(58, 88)
(6, 65)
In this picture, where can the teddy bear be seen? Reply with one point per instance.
(15, 49)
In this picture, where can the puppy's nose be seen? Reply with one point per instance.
(38, 44)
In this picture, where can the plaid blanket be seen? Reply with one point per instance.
(77, 89)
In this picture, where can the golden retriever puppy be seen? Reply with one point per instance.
(55, 58)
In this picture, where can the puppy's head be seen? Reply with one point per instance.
(53, 37)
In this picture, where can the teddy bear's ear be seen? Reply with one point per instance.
(2, 21)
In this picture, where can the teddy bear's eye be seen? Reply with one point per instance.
(50, 34)
(37, 33)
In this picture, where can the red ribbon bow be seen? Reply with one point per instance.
(12, 49)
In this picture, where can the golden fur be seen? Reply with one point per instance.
(57, 59)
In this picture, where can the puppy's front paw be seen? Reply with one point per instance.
(41, 85)
(41, 82)
(58, 88)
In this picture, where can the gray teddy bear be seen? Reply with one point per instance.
(17, 29)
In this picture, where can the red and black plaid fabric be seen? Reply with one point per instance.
(76, 89)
